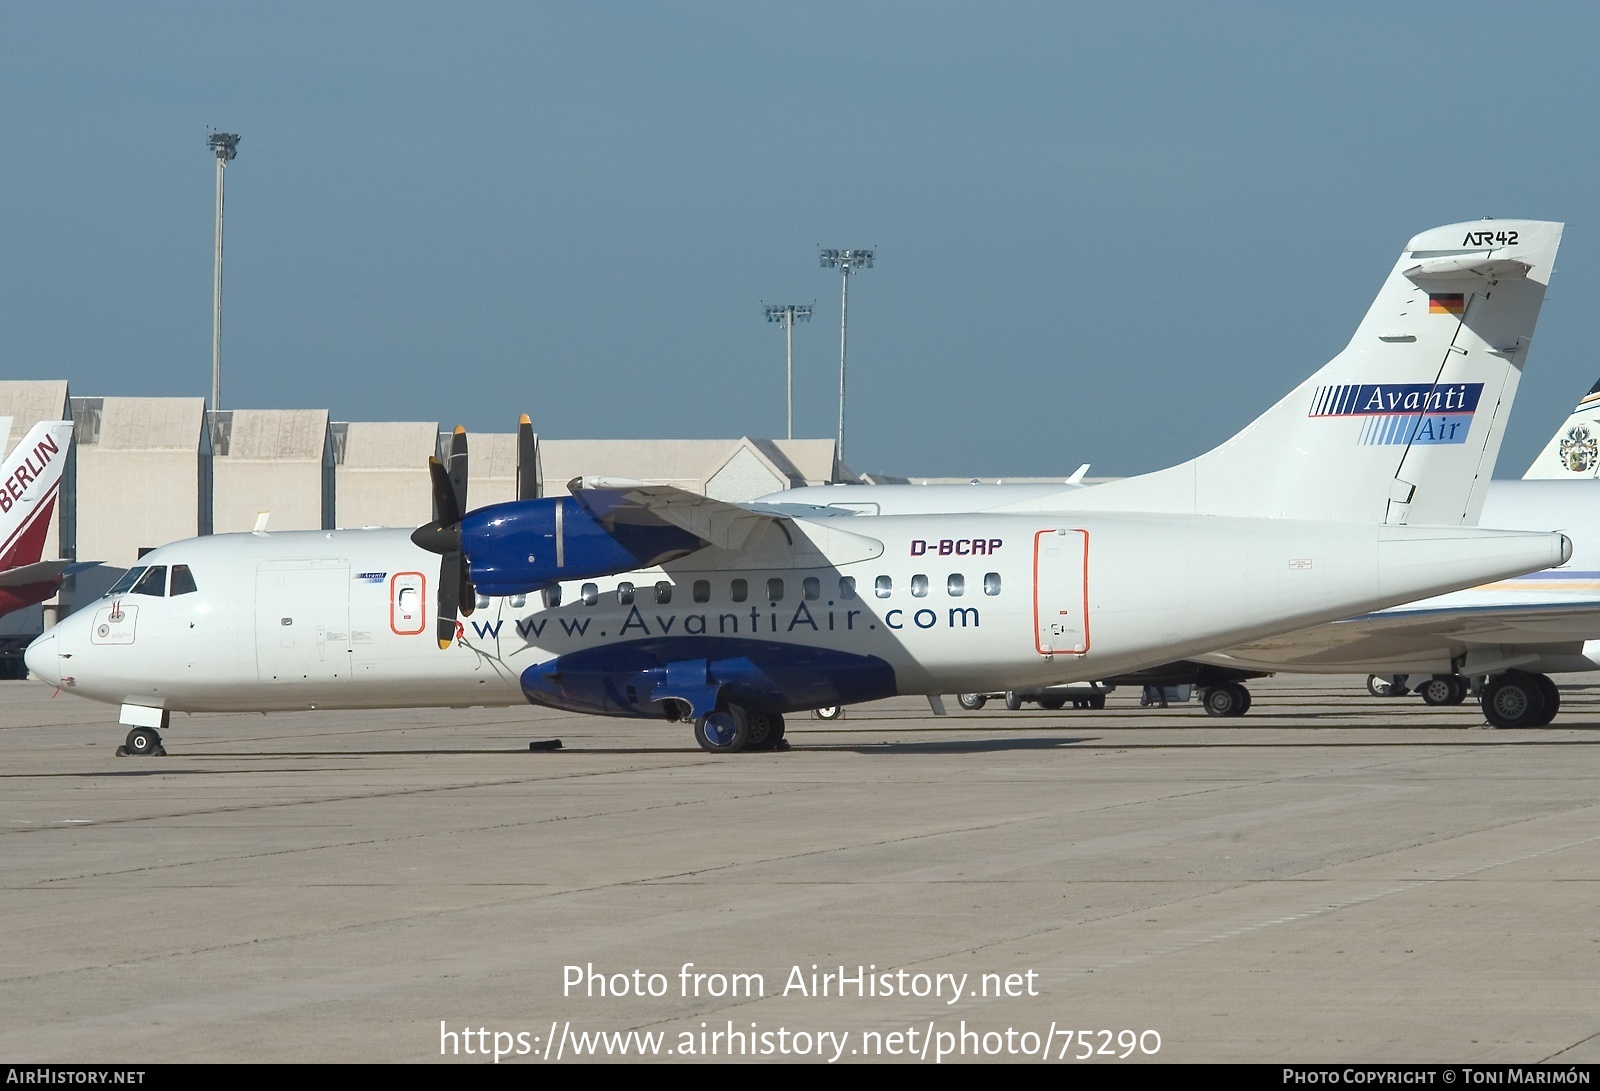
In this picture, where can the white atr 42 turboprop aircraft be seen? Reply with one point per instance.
(631, 599)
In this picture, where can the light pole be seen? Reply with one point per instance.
(788, 314)
(847, 262)
(226, 145)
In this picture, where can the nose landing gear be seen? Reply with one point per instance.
(142, 742)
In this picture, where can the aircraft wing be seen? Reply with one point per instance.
(622, 502)
(1411, 635)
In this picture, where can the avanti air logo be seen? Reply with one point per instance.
(1402, 412)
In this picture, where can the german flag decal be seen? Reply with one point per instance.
(1455, 303)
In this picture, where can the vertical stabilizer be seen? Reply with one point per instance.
(1403, 426)
(1573, 452)
(30, 480)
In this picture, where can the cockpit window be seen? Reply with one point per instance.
(152, 583)
(129, 578)
(182, 580)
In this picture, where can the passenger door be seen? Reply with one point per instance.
(1061, 592)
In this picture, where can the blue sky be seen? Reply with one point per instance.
(1105, 233)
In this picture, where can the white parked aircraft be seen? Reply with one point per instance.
(30, 480)
(1573, 453)
(1347, 496)
(1517, 631)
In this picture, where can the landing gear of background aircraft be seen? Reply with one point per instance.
(142, 742)
(1226, 699)
(1013, 701)
(1387, 685)
(1443, 689)
(766, 731)
(829, 712)
(1052, 703)
(725, 730)
(1093, 701)
(1519, 699)
(972, 702)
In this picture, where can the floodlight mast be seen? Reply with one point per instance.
(788, 314)
(226, 146)
(847, 262)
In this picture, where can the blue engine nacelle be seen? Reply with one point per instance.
(526, 545)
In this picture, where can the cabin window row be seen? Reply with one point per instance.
(661, 592)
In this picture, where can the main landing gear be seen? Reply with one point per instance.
(1225, 699)
(142, 742)
(1520, 699)
(730, 728)
(1444, 689)
(1387, 685)
(1508, 699)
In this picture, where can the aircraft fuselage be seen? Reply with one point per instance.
(811, 615)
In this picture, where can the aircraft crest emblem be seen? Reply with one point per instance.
(1580, 450)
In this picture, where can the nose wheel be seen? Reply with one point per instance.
(142, 742)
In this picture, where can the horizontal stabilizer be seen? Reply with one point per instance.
(1468, 268)
(38, 572)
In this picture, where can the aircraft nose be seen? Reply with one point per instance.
(42, 658)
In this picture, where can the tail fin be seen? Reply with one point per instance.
(1574, 451)
(30, 478)
(1403, 426)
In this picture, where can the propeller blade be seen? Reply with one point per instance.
(448, 478)
(528, 484)
(466, 594)
(445, 509)
(458, 468)
(450, 581)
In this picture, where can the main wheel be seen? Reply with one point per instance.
(1095, 701)
(1552, 700)
(725, 731)
(1442, 689)
(1052, 703)
(1013, 701)
(143, 741)
(1387, 685)
(1227, 699)
(972, 702)
(1513, 699)
(766, 731)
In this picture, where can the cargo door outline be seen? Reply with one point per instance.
(1061, 592)
(303, 621)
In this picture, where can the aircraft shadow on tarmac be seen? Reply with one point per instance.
(944, 746)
